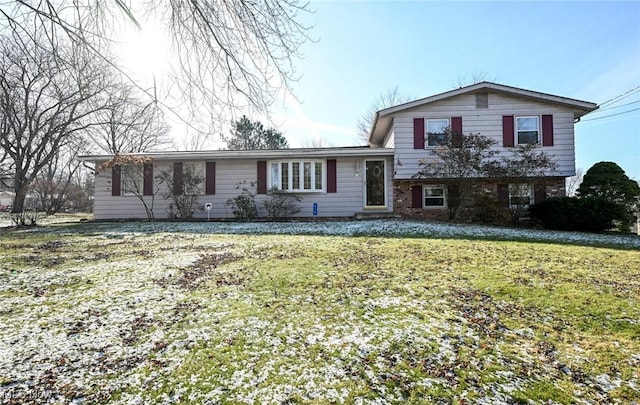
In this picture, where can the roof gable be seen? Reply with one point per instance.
(383, 118)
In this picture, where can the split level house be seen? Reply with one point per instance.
(378, 179)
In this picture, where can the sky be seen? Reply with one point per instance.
(578, 49)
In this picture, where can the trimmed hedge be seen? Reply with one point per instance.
(589, 214)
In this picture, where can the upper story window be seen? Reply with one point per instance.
(297, 176)
(527, 130)
(436, 135)
(132, 178)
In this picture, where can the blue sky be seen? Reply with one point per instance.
(584, 50)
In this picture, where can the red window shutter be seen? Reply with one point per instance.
(507, 130)
(418, 133)
(210, 178)
(547, 130)
(416, 197)
(503, 195)
(116, 180)
(332, 176)
(262, 177)
(539, 193)
(147, 172)
(456, 132)
(178, 182)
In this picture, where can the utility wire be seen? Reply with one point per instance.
(617, 106)
(611, 115)
(621, 96)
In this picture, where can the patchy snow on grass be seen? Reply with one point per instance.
(389, 228)
(141, 313)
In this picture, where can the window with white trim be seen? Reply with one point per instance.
(297, 176)
(193, 178)
(520, 195)
(528, 130)
(132, 179)
(435, 196)
(436, 132)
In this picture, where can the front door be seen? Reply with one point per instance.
(375, 184)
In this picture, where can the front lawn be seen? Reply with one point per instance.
(366, 312)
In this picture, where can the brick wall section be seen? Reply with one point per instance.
(553, 186)
(402, 203)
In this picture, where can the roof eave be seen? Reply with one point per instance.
(252, 154)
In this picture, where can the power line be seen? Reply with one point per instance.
(621, 96)
(611, 115)
(617, 106)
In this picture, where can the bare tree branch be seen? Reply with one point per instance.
(390, 98)
(231, 56)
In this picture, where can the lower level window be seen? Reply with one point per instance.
(519, 195)
(298, 176)
(435, 196)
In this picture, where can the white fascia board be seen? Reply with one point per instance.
(254, 154)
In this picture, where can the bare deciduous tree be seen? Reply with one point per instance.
(572, 183)
(56, 188)
(390, 98)
(317, 142)
(45, 104)
(473, 78)
(228, 55)
(127, 125)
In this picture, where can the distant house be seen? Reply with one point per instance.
(345, 181)
(6, 199)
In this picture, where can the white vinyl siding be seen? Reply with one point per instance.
(487, 122)
(234, 173)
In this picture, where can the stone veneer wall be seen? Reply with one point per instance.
(553, 186)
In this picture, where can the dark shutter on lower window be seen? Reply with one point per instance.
(262, 177)
(503, 195)
(547, 130)
(416, 196)
(418, 133)
(332, 176)
(539, 193)
(210, 178)
(147, 173)
(116, 180)
(507, 130)
(178, 181)
(456, 132)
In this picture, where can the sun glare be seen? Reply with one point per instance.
(146, 51)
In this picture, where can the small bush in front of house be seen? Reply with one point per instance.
(243, 206)
(281, 204)
(488, 210)
(590, 214)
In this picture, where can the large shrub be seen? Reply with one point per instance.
(589, 214)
